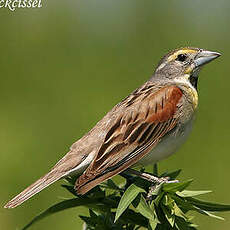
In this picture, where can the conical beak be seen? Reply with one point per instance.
(204, 57)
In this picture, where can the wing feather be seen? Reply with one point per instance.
(147, 117)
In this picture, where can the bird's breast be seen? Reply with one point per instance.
(194, 96)
(168, 144)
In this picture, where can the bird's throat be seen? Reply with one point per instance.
(193, 80)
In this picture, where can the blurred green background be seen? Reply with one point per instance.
(65, 65)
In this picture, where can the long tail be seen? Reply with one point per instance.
(60, 170)
(74, 161)
(33, 189)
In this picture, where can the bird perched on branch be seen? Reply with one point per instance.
(147, 126)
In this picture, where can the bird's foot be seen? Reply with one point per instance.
(158, 182)
(150, 177)
(166, 180)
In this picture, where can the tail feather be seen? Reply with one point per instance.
(72, 162)
(33, 189)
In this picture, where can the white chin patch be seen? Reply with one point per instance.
(184, 80)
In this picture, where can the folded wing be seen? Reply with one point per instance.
(148, 115)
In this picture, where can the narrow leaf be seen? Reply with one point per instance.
(134, 218)
(209, 214)
(182, 203)
(178, 212)
(71, 179)
(143, 208)
(129, 195)
(208, 206)
(66, 204)
(92, 214)
(181, 224)
(153, 224)
(172, 175)
(110, 185)
(155, 170)
(188, 193)
(174, 187)
(157, 189)
(88, 220)
(159, 198)
(168, 201)
(70, 188)
(168, 215)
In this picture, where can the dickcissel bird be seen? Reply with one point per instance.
(147, 126)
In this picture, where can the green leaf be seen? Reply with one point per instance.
(208, 206)
(142, 183)
(153, 224)
(168, 201)
(181, 224)
(193, 225)
(208, 214)
(66, 204)
(129, 216)
(129, 195)
(178, 212)
(188, 193)
(173, 175)
(71, 179)
(188, 205)
(171, 204)
(143, 208)
(155, 170)
(92, 214)
(70, 188)
(112, 201)
(174, 187)
(169, 216)
(111, 185)
(88, 220)
(96, 193)
(159, 198)
(157, 189)
(182, 203)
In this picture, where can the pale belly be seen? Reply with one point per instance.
(168, 145)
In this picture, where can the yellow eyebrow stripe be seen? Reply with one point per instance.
(174, 56)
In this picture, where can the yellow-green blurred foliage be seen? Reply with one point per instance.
(63, 66)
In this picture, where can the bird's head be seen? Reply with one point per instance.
(184, 63)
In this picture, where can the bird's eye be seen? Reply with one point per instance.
(181, 57)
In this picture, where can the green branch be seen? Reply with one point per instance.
(138, 204)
